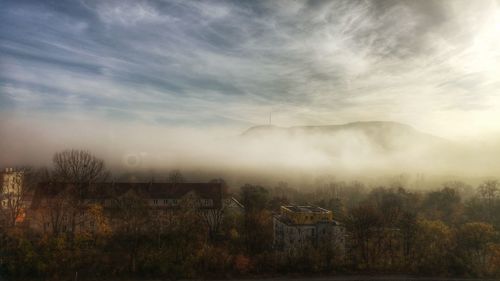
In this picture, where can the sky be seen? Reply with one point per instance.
(226, 65)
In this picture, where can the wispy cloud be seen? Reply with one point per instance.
(129, 13)
(427, 63)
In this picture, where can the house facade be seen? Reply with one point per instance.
(297, 227)
(14, 198)
(11, 183)
(54, 210)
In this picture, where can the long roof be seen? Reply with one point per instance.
(306, 209)
(147, 190)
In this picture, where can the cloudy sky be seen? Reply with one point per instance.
(432, 64)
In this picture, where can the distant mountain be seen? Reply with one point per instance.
(381, 134)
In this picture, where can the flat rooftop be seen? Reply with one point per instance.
(305, 209)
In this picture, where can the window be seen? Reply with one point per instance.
(165, 201)
(155, 202)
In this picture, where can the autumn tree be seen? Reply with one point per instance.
(176, 237)
(257, 220)
(254, 197)
(493, 266)
(175, 176)
(408, 228)
(445, 204)
(474, 240)
(485, 206)
(364, 223)
(79, 171)
(130, 219)
(435, 241)
(489, 191)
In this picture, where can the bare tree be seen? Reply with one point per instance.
(57, 209)
(213, 218)
(489, 191)
(176, 176)
(79, 166)
(81, 169)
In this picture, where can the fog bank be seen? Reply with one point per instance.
(280, 153)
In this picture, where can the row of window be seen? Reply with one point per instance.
(201, 202)
(5, 202)
(299, 230)
(160, 202)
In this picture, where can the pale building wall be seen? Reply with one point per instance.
(295, 229)
(289, 237)
(306, 217)
(11, 186)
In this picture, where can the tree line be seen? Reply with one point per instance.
(390, 229)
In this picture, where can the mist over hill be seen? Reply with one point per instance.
(381, 135)
(358, 149)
